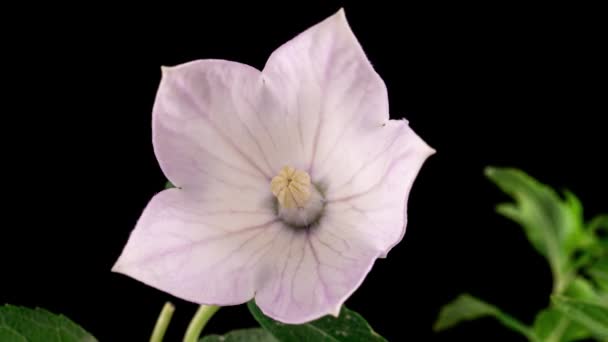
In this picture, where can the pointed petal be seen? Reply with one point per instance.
(327, 83)
(206, 124)
(315, 271)
(369, 194)
(207, 256)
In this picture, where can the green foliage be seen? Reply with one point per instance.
(463, 308)
(554, 226)
(348, 326)
(242, 335)
(575, 251)
(599, 223)
(20, 324)
(467, 308)
(550, 324)
(598, 271)
(592, 316)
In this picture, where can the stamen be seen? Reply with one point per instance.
(291, 187)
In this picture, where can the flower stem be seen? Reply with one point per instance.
(162, 322)
(198, 322)
(515, 325)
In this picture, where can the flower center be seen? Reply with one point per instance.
(299, 201)
(291, 187)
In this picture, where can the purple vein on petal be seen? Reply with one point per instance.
(198, 218)
(221, 133)
(345, 128)
(239, 151)
(227, 257)
(328, 246)
(372, 161)
(262, 121)
(221, 160)
(282, 274)
(300, 124)
(235, 211)
(295, 272)
(255, 140)
(192, 244)
(340, 238)
(320, 115)
(365, 213)
(382, 179)
(254, 259)
(223, 181)
(337, 268)
(265, 250)
(240, 247)
(348, 227)
(315, 144)
(319, 264)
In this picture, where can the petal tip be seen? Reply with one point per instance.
(116, 268)
(340, 18)
(119, 265)
(166, 69)
(336, 311)
(341, 13)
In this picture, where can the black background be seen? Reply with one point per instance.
(505, 85)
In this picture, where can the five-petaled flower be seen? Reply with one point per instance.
(290, 181)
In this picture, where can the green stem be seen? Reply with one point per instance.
(198, 322)
(561, 282)
(162, 322)
(516, 325)
(559, 330)
(509, 321)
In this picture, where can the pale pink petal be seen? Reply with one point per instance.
(200, 248)
(369, 193)
(350, 147)
(327, 85)
(315, 271)
(207, 125)
(222, 130)
(365, 216)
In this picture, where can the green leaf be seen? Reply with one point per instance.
(592, 316)
(169, 185)
(581, 288)
(554, 226)
(598, 229)
(464, 308)
(599, 223)
(348, 326)
(549, 322)
(242, 335)
(599, 273)
(573, 232)
(467, 308)
(33, 325)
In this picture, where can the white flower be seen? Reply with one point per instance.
(291, 181)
